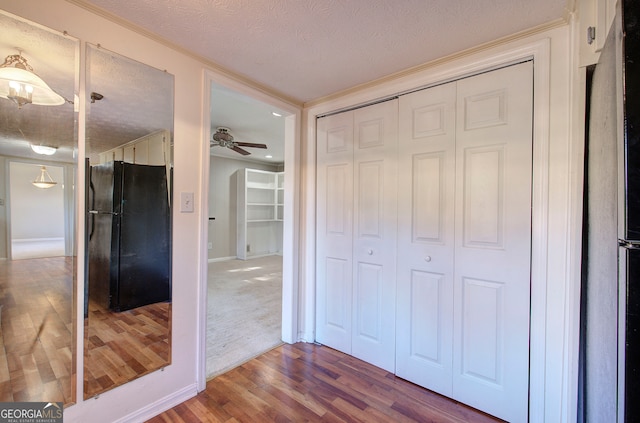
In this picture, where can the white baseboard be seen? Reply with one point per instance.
(24, 248)
(218, 259)
(29, 240)
(160, 406)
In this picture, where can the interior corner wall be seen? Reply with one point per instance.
(222, 231)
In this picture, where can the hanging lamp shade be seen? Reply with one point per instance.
(19, 84)
(44, 180)
(44, 149)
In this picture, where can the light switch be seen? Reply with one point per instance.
(186, 202)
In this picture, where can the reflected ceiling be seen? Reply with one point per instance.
(124, 114)
(55, 62)
(135, 102)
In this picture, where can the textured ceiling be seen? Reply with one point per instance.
(137, 99)
(308, 49)
(301, 49)
(248, 120)
(52, 57)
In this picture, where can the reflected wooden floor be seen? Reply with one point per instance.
(123, 346)
(311, 383)
(36, 320)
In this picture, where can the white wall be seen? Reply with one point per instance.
(36, 212)
(141, 398)
(222, 203)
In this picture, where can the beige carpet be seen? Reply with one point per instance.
(244, 311)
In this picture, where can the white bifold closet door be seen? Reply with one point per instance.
(356, 232)
(464, 240)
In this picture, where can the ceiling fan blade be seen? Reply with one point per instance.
(240, 150)
(250, 144)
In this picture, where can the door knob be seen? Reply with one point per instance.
(427, 258)
(370, 252)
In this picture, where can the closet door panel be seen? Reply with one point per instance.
(493, 241)
(334, 232)
(426, 162)
(426, 311)
(374, 243)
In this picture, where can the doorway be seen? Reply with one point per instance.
(244, 292)
(37, 214)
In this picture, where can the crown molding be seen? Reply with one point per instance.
(215, 67)
(557, 23)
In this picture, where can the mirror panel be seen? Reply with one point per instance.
(37, 237)
(129, 132)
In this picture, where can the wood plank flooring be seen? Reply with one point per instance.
(36, 318)
(312, 383)
(123, 346)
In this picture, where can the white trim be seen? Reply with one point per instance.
(203, 230)
(28, 240)
(291, 229)
(219, 259)
(157, 407)
(542, 399)
(539, 229)
(569, 410)
(291, 215)
(81, 202)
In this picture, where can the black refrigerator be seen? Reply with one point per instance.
(610, 320)
(128, 236)
(629, 221)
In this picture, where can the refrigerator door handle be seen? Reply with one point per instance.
(93, 223)
(629, 245)
(92, 214)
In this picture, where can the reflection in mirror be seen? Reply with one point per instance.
(37, 242)
(129, 131)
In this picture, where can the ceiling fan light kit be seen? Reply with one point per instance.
(223, 138)
(19, 84)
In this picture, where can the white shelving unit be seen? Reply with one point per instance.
(260, 212)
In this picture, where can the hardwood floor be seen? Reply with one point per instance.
(311, 383)
(123, 346)
(36, 318)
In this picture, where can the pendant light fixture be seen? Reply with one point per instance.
(44, 180)
(19, 84)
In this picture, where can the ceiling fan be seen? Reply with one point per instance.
(223, 138)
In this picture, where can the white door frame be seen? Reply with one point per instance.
(291, 221)
(551, 383)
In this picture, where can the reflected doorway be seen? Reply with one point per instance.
(37, 214)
